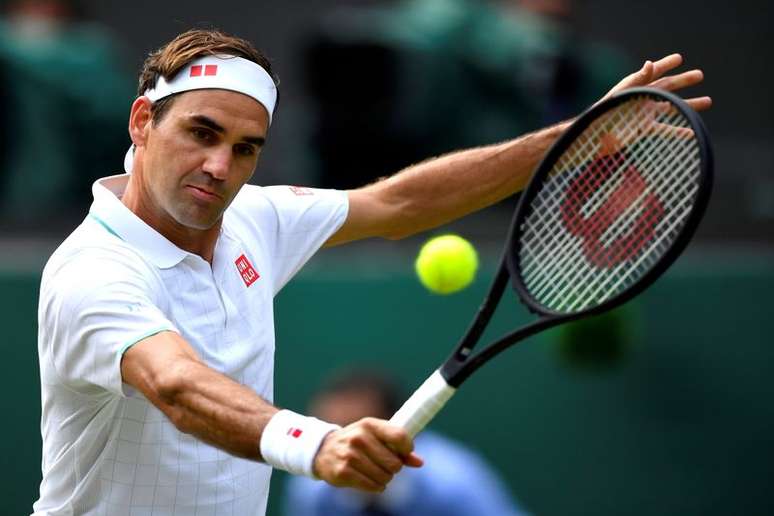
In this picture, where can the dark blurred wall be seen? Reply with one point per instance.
(732, 42)
(729, 40)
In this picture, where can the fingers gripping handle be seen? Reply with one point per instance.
(423, 405)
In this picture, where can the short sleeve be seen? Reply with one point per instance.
(93, 307)
(295, 222)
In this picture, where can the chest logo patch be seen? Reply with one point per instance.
(246, 270)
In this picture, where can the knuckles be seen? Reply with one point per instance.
(348, 459)
(393, 466)
(342, 472)
(346, 453)
(358, 438)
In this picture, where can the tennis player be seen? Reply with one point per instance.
(156, 333)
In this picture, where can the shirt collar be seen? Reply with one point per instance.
(109, 211)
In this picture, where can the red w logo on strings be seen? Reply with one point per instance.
(591, 229)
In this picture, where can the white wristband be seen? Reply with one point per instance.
(290, 441)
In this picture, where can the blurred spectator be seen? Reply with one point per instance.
(5, 106)
(67, 92)
(394, 83)
(454, 481)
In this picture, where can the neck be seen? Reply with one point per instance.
(196, 241)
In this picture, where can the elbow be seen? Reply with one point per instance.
(405, 221)
(407, 224)
(397, 233)
(167, 389)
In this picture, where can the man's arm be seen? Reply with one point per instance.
(443, 189)
(196, 398)
(216, 409)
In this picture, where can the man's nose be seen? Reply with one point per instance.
(218, 162)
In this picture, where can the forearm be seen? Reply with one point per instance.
(212, 407)
(440, 190)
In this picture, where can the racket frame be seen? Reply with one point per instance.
(462, 362)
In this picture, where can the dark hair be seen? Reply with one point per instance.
(168, 60)
(366, 379)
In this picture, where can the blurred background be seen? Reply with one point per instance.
(663, 407)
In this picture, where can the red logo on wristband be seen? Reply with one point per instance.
(295, 432)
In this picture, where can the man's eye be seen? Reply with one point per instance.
(245, 150)
(201, 134)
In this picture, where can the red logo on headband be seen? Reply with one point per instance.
(196, 70)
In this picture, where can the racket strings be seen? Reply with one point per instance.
(572, 279)
(616, 227)
(611, 206)
(582, 148)
(579, 282)
(556, 258)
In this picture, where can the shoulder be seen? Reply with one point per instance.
(249, 196)
(279, 197)
(92, 256)
(252, 206)
(278, 208)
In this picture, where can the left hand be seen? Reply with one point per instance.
(652, 74)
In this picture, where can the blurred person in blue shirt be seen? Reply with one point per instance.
(67, 87)
(455, 480)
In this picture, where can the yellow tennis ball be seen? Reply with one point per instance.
(446, 264)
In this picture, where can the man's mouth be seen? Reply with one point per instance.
(204, 193)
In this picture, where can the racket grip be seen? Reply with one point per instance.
(423, 405)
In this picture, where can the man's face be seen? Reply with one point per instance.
(200, 154)
(344, 408)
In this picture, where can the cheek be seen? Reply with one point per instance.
(176, 160)
(241, 171)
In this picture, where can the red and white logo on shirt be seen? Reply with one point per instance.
(246, 270)
(301, 190)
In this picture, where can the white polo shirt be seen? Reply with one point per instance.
(106, 449)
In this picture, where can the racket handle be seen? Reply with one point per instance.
(423, 405)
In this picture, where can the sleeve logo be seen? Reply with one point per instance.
(301, 190)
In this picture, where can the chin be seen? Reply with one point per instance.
(199, 223)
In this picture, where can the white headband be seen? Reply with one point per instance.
(216, 72)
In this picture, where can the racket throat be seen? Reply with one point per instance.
(459, 367)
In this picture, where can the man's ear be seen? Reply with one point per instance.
(140, 119)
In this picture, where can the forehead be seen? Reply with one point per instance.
(230, 109)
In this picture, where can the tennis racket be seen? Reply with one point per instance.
(611, 206)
